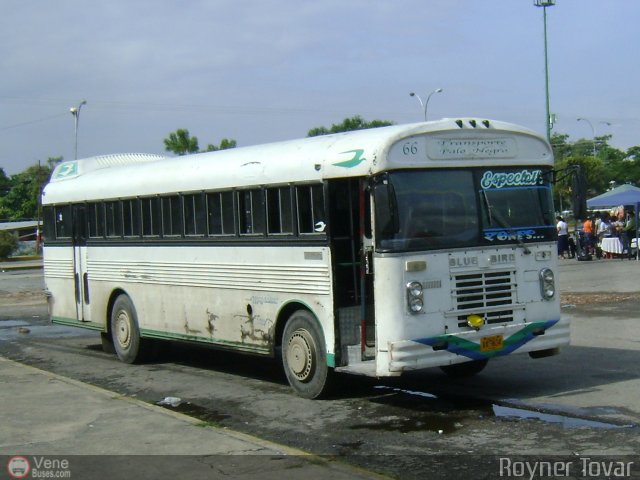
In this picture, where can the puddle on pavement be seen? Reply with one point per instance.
(23, 329)
(13, 323)
(426, 423)
(428, 412)
(351, 445)
(196, 411)
(564, 420)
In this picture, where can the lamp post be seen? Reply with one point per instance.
(544, 4)
(593, 133)
(425, 105)
(75, 111)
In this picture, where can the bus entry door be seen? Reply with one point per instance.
(80, 274)
(352, 250)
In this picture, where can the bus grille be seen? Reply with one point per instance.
(488, 294)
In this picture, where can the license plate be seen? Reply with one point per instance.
(491, 343)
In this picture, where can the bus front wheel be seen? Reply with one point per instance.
(304, 356)
(124, 330)
(466, 369)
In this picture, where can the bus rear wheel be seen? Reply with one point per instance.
(304, 356)
(125, 331)
(466, 369)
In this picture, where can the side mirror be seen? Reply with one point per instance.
(386, 208)
(579, 192)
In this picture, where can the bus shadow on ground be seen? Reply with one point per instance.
(509, 381)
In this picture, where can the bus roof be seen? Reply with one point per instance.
(437, 144)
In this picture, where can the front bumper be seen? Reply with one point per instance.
(461, 347)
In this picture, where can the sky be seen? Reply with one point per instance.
(261, 71)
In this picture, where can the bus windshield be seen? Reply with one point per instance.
(442, 209)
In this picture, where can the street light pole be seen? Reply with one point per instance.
(593, 133)
(75, 111)
(425, 105)
(544, 4)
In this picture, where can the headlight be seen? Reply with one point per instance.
(414, 297)
(415, 305)
(415, 289)
(547, 283)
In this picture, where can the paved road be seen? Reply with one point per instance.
(600, 276)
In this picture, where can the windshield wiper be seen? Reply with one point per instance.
(494, 213)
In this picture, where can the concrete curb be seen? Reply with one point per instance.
(21, 265)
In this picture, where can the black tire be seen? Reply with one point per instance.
(304, 356)
(466, 369)
(125, 332)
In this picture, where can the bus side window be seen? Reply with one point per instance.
(172, 225)
(194, 215)
(131, 217)
(220, 213)
(279, 211)
(251, 212)
(151, 217)
(63, 222)
(95, 217)
(113, 214)
(310, 203)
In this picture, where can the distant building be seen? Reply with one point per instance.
(27, 232)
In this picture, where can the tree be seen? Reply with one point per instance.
(5, 183)
(8, 243)
(52, 162)
(180, 142)
(348, 124)
(608, 165)
(23, 197)
(593, 169)
(561, 146)
(633, 154)
(225, 144)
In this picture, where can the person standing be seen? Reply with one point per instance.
(588, 231)
(629, 232)
(563, 236)
(603, 231)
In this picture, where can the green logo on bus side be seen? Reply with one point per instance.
(67, 169)
(353, 162)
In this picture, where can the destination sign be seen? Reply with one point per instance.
(465, 148)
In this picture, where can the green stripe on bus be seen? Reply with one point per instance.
(72, 322)
(470, 349)
(331, 360)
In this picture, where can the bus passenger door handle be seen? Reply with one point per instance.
(85, 286)
(77, 287)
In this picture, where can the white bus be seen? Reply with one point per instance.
(373, 252)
